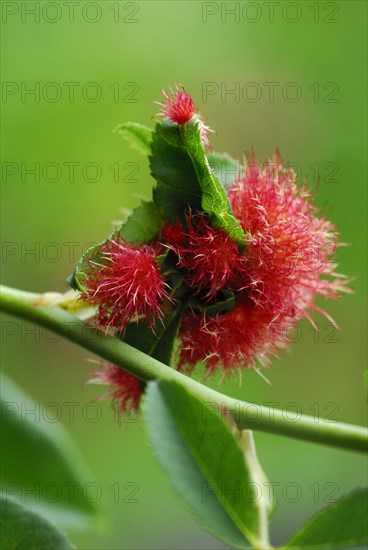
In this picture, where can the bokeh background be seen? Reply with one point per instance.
(315, 53)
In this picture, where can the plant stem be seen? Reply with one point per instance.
(31, 307)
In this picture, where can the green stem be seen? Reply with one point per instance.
(32, 307)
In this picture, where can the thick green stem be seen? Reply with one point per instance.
(32, 307)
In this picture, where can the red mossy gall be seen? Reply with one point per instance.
(289, 247)
(179, 107)
(126, 390)
(273, 281)
(232, 340)
(125, 283)
(289, 263)
(210, 259)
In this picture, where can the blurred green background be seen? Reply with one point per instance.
(129, 53)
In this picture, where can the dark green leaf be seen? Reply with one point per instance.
(184, 473)
(226, 461)
(158, 344)
(184, 178)
(340, 525)
(224, 167)
(39, 455)
(138, 136)
(177, 183)
(72, 282)
(23, 529)
(225, 301)
(75, 281)
(140, 227)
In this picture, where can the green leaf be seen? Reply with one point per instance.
(183, 471)
(340, 525)
(158, 343)
(184, 178)
(138, 136)
(177, 184)
(75, 280)
(23, 529)
(204, 456)
(225, 301)
(140, 227)
(40, 464)
(224, 167)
